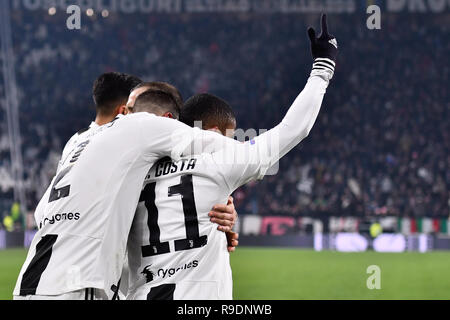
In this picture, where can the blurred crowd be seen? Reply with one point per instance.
(381, 144)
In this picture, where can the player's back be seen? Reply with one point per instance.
(174, 250)
(82, 239)
(69, 149)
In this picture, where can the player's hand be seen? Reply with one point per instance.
(232, 240)
(224, 215)
(325, 46)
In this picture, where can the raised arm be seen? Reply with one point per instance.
(303, 113)
(252, 159)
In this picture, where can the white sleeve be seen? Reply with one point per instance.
(251, 160)
(168, 137)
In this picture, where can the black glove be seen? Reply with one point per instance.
(324, 48)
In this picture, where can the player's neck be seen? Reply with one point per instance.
(101, 119)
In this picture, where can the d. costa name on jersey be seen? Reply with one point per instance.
(166, 167)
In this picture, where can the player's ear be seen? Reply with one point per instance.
(122, 110)
(127, 110)
(168, 115)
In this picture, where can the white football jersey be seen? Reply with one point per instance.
(75, 140)
(90, 206)
(174, 251)
(69, 149)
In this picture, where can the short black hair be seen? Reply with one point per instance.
(112, 89)
(155, 101)
(212, 111)
(165, 87)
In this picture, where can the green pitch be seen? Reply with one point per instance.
(305, 274)
(11, 261)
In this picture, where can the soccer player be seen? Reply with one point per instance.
(173, 249)
(79, 249)
(110, 93)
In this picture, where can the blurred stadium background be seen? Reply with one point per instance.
(372, 177)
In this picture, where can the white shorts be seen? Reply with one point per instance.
(83, 294)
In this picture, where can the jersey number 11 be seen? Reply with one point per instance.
(193, 238)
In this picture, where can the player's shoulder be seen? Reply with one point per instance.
(84, 131)
(145, 117)
(81, 131)
(77, 134)
(138, 116)
(73, 139)
(136, 120)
